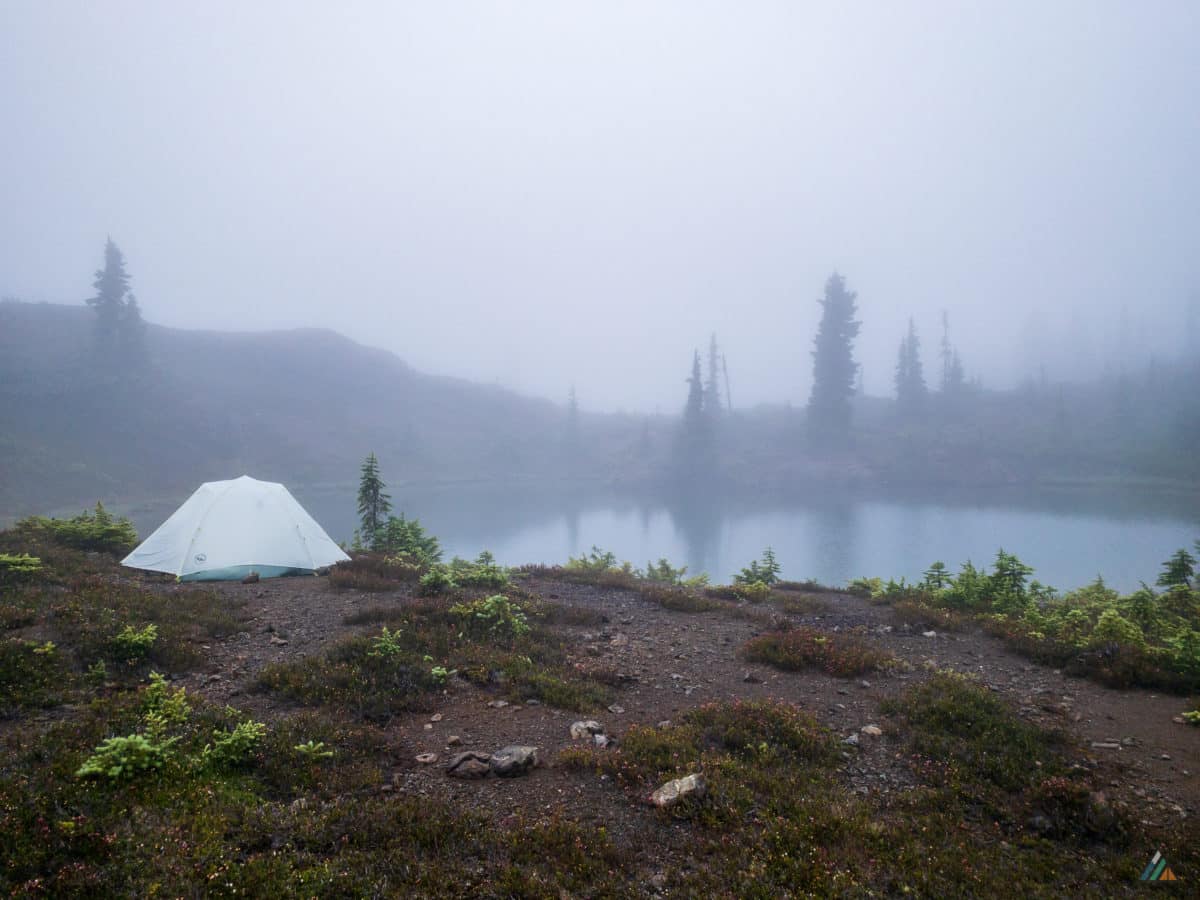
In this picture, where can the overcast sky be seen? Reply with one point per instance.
(541, 194)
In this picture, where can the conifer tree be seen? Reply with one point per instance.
(373, 504)
(695, 432)
(833, 359)
(111, 284)
(712, 387)
(910, 375)
(119, 326)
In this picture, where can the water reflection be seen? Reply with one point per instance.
(833, 537)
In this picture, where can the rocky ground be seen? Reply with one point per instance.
(674, 661)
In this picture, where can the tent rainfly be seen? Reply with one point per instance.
(228, 529)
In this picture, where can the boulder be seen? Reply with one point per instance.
(673, 791)
(583, 729)
(469, 764)
(513, 760)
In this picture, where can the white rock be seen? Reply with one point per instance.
(674, 791)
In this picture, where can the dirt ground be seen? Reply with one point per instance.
(675, 661)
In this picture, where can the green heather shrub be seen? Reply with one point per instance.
(662, 572)
(312, 751)
(955, 721)
(870, 587)
(1143, 638)
(126, 757)
(171, 707)
(435, 582)
(231, 749)
(386, 644)
(96, 530)
(496, 614)
(18, 567)
(482, 573)
(752, 591)
(1114, 628)
(597, 561)
(135, 643)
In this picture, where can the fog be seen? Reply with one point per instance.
(541, 195)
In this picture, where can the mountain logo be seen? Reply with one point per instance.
(1157, 869)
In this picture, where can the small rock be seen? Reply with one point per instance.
(616, 710)
(872, 730)
(498, 704)
(532, 702)
(513, 760)
(469, 764)
(584, 729)
(1178, 720)
(454, 741)
(929, 634)
(1166, 756)
(864, 684)
(436, 717)
(429, 726)
(278, 641)
(602, 741)
(252, 578)
(852, 740)
(1106, 745)
(665, 723)
(751, 678)
(843, 691)
(426, 759)
(674, 791)
(1128, 742)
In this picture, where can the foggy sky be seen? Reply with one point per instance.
(555, 193)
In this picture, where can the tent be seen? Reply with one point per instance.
(228, 529)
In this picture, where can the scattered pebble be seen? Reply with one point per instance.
(426, 759)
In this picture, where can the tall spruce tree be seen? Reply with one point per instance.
(833, 359)
(911, 391)
(112, 286)
(120, 331)
(694, 448)
(374, 504)
(712, 387)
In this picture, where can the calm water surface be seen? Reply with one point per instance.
(1069, 538)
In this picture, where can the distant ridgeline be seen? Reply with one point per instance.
(292, 406)
(127, 421)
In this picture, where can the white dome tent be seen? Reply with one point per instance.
(228, 529)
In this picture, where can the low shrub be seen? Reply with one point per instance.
(765, 570)
(94, 531)
(19, 567)
(838, 654)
